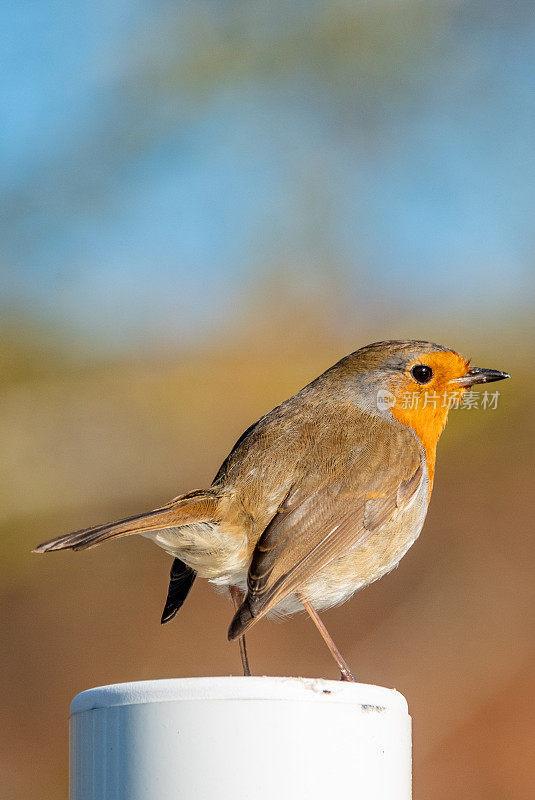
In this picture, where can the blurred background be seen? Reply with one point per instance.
(204, 205)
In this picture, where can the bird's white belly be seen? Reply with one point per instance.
(213, 552)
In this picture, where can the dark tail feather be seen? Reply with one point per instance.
(180, 582)
(199, 506)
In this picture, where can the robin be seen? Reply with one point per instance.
(320, 497)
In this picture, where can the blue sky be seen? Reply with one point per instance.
(120, 201)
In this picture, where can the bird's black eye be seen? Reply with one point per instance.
(422, 373)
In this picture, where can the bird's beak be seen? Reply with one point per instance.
(480, 375)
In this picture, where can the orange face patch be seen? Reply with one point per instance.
(425, 407)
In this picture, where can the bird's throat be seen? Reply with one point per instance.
(427, 423)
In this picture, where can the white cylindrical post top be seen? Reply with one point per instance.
(240, 739)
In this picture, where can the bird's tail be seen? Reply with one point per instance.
(199, 506)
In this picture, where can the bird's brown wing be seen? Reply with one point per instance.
(317, 522)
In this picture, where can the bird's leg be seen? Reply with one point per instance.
(237, 598)
(345, 672)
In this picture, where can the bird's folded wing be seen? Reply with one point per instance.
(318, 521)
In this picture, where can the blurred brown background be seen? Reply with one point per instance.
(204, 205)
(452, 627)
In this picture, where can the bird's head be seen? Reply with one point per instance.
(414, 383)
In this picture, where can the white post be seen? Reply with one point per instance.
(238, 739)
